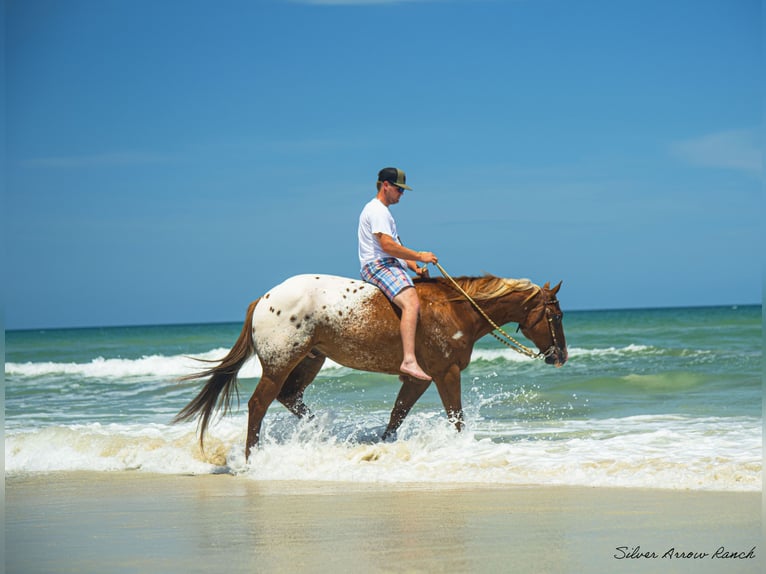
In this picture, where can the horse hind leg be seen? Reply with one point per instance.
(265, 392)
(285, 384)
(291, 395)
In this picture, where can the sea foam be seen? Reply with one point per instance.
(668, 452)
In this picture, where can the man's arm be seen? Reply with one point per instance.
(396, 249)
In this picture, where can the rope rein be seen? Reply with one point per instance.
(508, 340)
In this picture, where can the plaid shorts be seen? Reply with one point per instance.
(388, 275)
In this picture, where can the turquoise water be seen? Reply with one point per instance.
(667, 398)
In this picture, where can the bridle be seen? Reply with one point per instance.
(552, 313)
(506, 339)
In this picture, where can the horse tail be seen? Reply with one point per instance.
(222, 379)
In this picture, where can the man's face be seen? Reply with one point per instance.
(393, 193)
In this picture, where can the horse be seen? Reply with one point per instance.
(298, 324)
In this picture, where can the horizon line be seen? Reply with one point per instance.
(197, 323)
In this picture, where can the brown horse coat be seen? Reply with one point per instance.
(307, 318)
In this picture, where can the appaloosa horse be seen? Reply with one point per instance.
(298, 324)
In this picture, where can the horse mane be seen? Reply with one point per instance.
(489, 287)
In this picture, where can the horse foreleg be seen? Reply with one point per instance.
(450, 394)
(301, 377)
(265, 392)
(412, 389)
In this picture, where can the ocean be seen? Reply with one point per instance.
(661, 398)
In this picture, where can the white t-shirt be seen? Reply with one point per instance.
(375, 218)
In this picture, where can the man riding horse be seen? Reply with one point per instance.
(384, 261)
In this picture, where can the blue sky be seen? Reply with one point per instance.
(168, 162)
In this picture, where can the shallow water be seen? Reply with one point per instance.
(667, 398)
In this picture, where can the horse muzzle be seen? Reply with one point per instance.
(555, 356)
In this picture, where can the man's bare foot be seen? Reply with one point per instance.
(412, 369)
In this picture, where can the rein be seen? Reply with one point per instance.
(508, 341)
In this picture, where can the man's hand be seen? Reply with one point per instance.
(427, 257)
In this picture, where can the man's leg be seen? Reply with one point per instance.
(409, 303)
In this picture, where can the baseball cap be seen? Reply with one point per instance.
(395, 176)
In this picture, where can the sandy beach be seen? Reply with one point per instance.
(138, 522)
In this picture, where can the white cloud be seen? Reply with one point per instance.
(354, 2)
(733, 149)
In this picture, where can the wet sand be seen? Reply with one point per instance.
(137, 522)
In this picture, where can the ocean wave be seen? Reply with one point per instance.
(148, 365)
(173, 366)
(668, 452)
(626, 350)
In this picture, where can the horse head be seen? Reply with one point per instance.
(543, 325)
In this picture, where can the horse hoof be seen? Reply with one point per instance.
(388, 437)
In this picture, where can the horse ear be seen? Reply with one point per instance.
(547, 285)
(557, 287)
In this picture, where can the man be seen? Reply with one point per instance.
(385, 261)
